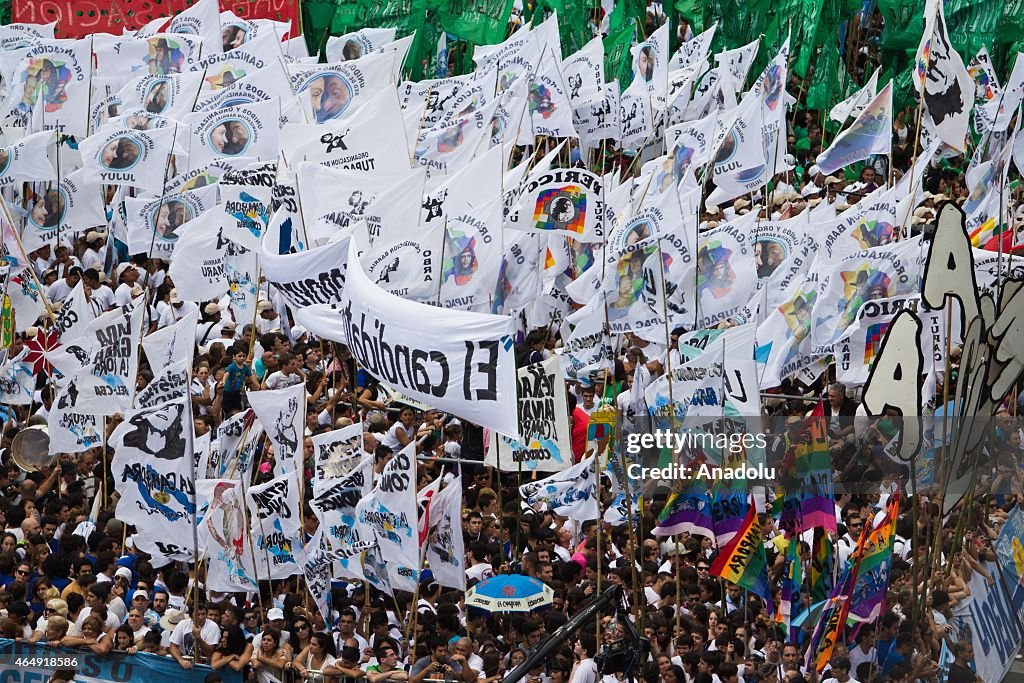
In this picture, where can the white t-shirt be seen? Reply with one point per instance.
(43, 622)
(112, 620)
(586, 672)
(480, 571)
(279, 380)
(182, 636)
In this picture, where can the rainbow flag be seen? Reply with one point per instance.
(829, 629)
(743, 561)
(821, 566)
(814, 469)
(688, 510)
(789, 603)
(729, 508)
(868, 599)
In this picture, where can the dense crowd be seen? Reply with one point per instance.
(71, 576)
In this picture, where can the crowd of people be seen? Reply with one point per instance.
(70, 578)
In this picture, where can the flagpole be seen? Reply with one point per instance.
(29, 268)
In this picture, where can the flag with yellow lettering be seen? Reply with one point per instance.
(743, 560)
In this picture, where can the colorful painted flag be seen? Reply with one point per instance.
(688, 510)
(821, 566)
(870, 133)
(729, 510)
(829, 629)
(743, 560)
(789, 603)
(814, 469)
(561, 208)
(6, 323)
(868, 599)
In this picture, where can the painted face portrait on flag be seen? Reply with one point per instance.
(768, 256)
(5, 160)
(645, 63)
(48, 209)
(230, 137)
(716, 275)
(165, 57)
(233, 36)
(45, 79)
(351, 50)
(157, 98)
(121, 153)
(329, 95)
(166, 218)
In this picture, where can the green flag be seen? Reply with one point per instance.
(825, 80)
(483, 22)
(616, 56)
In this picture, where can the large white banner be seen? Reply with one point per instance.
(466, 366)
(572, 493)
(309, 277)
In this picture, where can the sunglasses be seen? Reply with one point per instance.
(21, 572)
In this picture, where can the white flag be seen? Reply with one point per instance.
(173, 343)
(354, 45)
(276, 520)
(17, 381)
(201, 19)
(390, 511)
(572, 493)
(124, 156)
(584, 70)
(948, 87)
(106, 385)
(224, 536)
(71, 206)
(283, 414)
(152, 469)
(444, 547)
(198, 266)
(472, 258)
(543, 421)
(247, 130)
(855, 103)
(27, 160)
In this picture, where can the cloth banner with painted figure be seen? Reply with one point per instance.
(543, 422)
(864, 276)
(246, 196)
(566, 202)
(106, 384)
(125, 156)
(336, 452)
(466, 368)
(17, 381)
(472, 258)
(872, 222)
(282, 412)
(154, 225)
(390, 514)
(870, 133)
(784, 336)
(571, 493)
(51, 84)
(72, 432)
(334, 502)
(224, 536)
(331, 92)
(726, 270)
(170, 95)
(244, 130)
(444, 547)
(153, 476)
(72, 206)
(856, 349)
(275, 521)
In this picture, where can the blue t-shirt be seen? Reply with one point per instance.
(234, 377)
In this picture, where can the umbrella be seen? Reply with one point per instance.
(509, 593)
